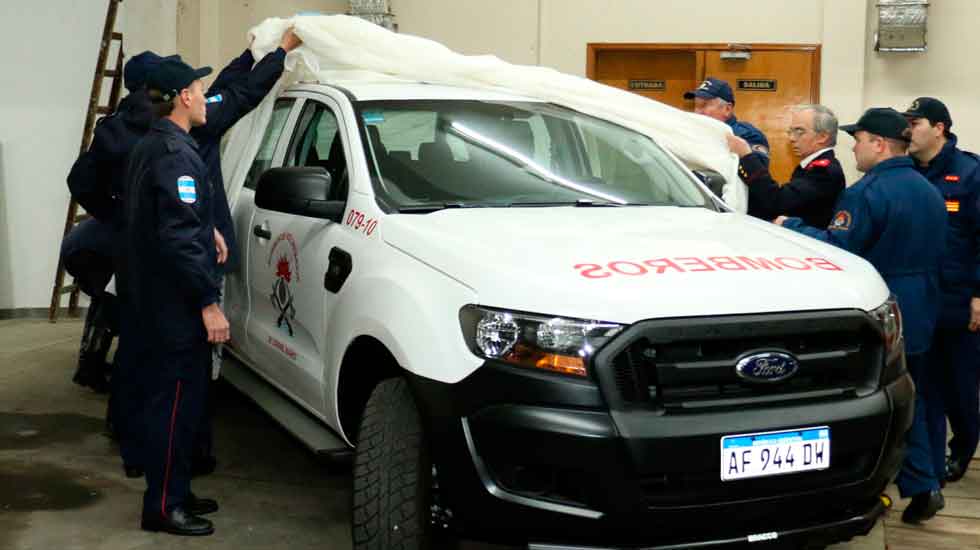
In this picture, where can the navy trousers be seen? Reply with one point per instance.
(176, 385)
(127, 399)
(956, 355)
(921, 470)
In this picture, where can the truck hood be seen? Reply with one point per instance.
(627, 264)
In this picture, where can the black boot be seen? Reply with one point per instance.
(200, 506)
(955, 469)
(178, 522)
(924, 506)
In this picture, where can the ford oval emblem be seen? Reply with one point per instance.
(767, 366)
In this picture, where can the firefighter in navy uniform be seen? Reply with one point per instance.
(714, 98)
(817, 180)
(170, 275)
(95, 182)
(955, 355)
(889, 217)
(236, 91)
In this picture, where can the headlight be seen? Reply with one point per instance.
(889, 319)
(556, 344)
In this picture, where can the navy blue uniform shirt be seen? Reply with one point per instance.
(96, 178)
(955, 175)
(890, 218)
(170, 269)
(754, 136)
(237, 90)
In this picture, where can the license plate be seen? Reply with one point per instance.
(775, 453)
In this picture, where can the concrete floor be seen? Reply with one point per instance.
(62, 487)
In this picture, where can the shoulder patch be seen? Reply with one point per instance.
(215, 99)
(187, 189)
(819, 163)
(841, 221)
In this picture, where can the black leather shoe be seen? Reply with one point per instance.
(203, 465)
(178, 522)
(924, 506)
(133, 471)
(200, 506)
(955, 469)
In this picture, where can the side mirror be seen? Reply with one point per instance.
(713, 180)
(299, 190)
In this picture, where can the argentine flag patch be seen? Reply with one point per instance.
(186, 189)
(215, 99)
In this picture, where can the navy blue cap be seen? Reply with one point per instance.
(712, 88)
(139, 67)
(173, 75)
(929, 108)
(881, 121)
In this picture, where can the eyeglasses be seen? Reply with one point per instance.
(796, 132)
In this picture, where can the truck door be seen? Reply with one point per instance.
(288, 258)
(236, 300)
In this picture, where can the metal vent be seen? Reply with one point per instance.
(375, 11)
(901, 26)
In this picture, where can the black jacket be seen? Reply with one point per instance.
(237, 90)
(96, 178)
(810, 194)
(169, 271)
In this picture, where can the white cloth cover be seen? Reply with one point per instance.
(339, 47)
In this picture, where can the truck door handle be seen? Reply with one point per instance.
(259, 231)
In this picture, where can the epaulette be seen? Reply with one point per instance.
(171, 143)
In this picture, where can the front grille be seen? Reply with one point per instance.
(704, 487)
(687, 365)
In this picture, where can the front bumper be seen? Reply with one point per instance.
(831, 532)
(530, 457)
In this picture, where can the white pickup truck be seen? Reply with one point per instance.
(537, 327)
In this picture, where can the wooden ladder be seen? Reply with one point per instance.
(94, 109)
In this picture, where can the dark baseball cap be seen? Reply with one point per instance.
(173, 75)
(139, 67)
(881, 121)
(929, 108)
(712, 88)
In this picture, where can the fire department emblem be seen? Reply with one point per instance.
(283, 256)
(841, 221)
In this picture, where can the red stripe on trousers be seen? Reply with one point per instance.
(170, 453)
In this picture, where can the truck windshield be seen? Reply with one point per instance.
(430, 154)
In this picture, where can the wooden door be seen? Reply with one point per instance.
(767, 80)
(663, 77)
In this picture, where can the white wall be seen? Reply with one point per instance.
(949, 70)
(212, 32)
(505, 28)
(52, 47)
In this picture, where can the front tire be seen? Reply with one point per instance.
(392, 473)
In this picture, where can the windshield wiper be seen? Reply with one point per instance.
(580, 203)
(589, 203)
(433, 207)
